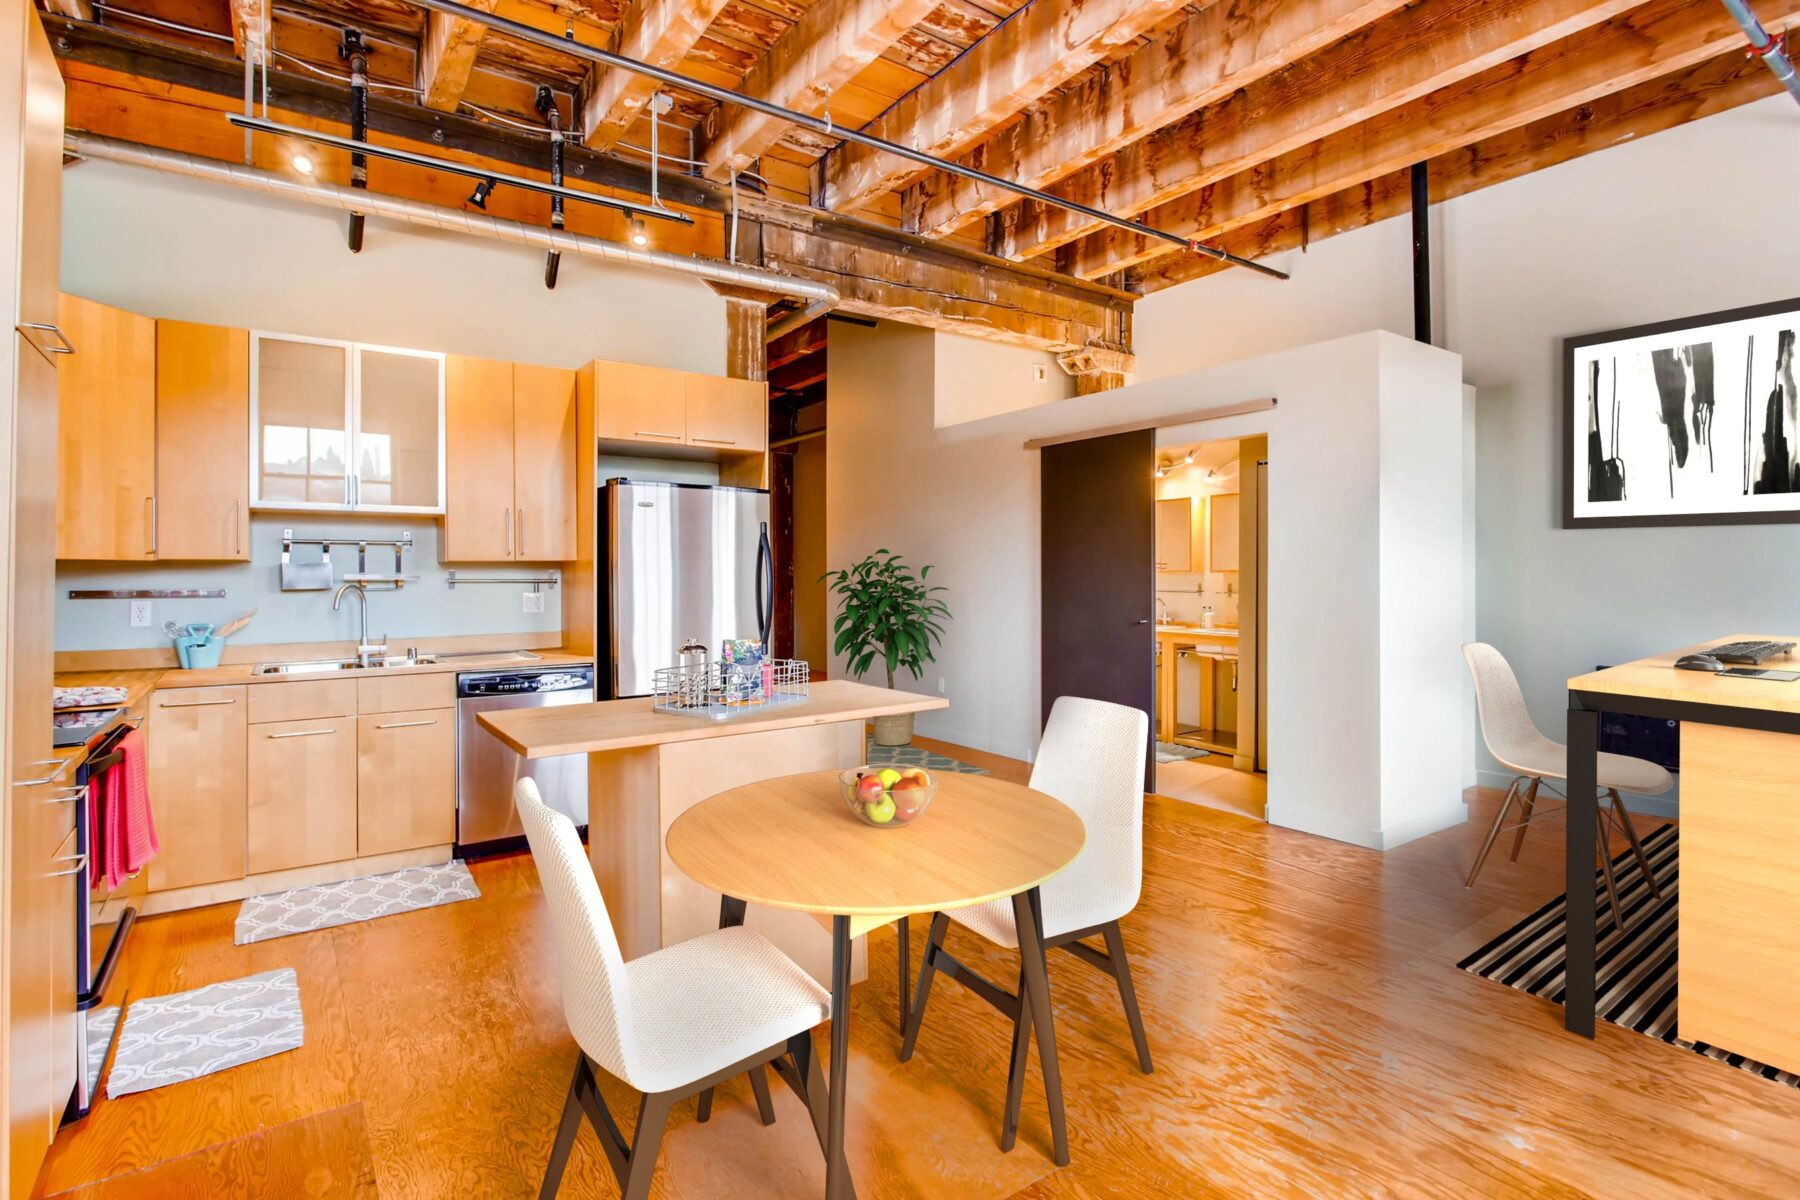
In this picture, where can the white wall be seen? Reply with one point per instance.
(1689, 221)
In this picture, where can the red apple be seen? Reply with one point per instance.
(869, 789)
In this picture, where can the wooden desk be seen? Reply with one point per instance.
(793, 844)
(1739, 968)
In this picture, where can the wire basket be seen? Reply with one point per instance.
(719, 690)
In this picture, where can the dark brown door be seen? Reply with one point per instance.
(1099, 562)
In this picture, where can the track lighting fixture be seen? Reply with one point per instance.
(303, 163)
(483, 189)
(640, 236)
(1189, 460)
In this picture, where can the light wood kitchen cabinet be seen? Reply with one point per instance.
(510, 450)
(202, 442)
(640, 404)
(106, 451)
(405, 780)
(1222, 532)
(727, 414)
(302, 792)
(197, 771)
(1175, 534)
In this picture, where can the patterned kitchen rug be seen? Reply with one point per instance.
(1634, 966)
(327, 905)
(916, 756)
(1168, 752)
(172, 1039)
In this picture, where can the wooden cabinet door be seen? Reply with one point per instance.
(202, 442)
(640, 404)
(1223, 534)
(302, 794)
(478, 454)
(405, 780)
(727, 414)
(543, 468)
(106, 451)
(196, 754)
(1175, 534)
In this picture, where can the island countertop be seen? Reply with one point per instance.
(624, 724)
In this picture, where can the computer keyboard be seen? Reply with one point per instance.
(1749, 652)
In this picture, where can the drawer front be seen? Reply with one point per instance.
(402, 692)
(406, 780)
(302, 700)
(302, 793)
(197, 697)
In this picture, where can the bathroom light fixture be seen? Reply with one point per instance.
(483, 190)
(639, 235)
(303, 163)
(1189, 459)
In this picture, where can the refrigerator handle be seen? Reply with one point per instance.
(765, 587)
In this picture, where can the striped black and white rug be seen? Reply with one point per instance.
(1636, 965)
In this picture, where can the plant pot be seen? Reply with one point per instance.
(894, 730)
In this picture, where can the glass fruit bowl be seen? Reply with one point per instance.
(888, 796)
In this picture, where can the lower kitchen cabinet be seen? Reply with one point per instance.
(302, 806)
(405, 780)
(196, 757)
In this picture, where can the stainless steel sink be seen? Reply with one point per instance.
(319, 665)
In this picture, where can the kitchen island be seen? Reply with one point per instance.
(645, 768)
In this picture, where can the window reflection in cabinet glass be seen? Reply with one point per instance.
(302, 433)
(400, 429)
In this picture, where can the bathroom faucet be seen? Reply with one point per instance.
(366, 652)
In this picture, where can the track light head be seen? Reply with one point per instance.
(1188, 461)
(483, 190)
(640, 236)
(303, 163)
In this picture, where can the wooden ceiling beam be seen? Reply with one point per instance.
(1028, 56)
(446, 55)
(1201, 61)
(1415, 52)
(797, 343)
(827, 48)
(658, 32)
(246, 24)
(1655, 39)
(1713, 87)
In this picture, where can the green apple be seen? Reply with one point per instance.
(889, 777)
(880, 812)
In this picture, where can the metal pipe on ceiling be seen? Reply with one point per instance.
(436, 216)
(675, 79)
(1772, 49)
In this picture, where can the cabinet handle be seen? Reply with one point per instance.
(673, 437)
(150, 507)
(519, 520)
(406, 724)
(509, 533)
(80, 861)
(303, 733)
(237, 527)
(61, 764)
(65, 346)
(197, 703)
(715, 441)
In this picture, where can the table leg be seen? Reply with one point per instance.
(1028, 918)
(837, 1171)
(1578, 971)
(904, 932)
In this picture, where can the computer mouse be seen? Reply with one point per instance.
(1699, 662)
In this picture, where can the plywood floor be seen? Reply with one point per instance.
(1311, 1032)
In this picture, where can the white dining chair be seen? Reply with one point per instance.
(670, 1024)
(1092, 759)
(1515, 741)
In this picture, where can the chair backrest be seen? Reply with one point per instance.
(595, 998)
(1092, 759)
(1506, 725)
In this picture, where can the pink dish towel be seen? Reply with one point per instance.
(130, 828)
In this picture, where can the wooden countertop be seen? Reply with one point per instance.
(141, 683)
(1167, 629)
(623, 724)
(1655, 678)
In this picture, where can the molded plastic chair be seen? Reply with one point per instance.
(1514, 739)
(1092, 759)
(671, 1024)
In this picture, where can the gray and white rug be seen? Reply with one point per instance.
(172, 1039)
(916, 756)
(1168, 752)
(326, 905)
(100, 1025)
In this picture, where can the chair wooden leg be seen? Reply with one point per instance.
(1115, 950)
(765, 1105)
(940, 924)
(1015, 1076)
(705, 1113)
(653, 1118)
(1028, 916)
(566, 1130)
(1604, 853)
(1527, 802)
(1499, 820)
(1637, 847)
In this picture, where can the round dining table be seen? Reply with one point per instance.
(793, 843)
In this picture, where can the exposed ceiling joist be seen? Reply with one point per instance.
(1041, 47)
(789, 347)
(447, 56)
(246, 24)
(1202, 60)
(1655, 39)
(658, 32)
(827, 48)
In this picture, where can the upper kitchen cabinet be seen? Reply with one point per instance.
(344, 426)
(202, 442)
(543, 463)
(106, 448)
(640, 404)
(727, 414)
(510, 443)
(1222, 530)
(1175, 534)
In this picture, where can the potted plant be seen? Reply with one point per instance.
(887, 614)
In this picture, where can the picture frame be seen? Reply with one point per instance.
(1692, 421)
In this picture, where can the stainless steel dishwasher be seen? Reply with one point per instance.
(487, 769)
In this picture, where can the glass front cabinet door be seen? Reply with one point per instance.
(343, 426)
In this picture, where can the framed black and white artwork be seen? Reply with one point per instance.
(1691, 422)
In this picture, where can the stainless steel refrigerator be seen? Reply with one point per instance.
(683, 561)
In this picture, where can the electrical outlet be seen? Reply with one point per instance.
(140, 614)
(534, 602)
(1039, 373)
(941, 690)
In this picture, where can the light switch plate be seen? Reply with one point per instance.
(140, 614)
(534, 602)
